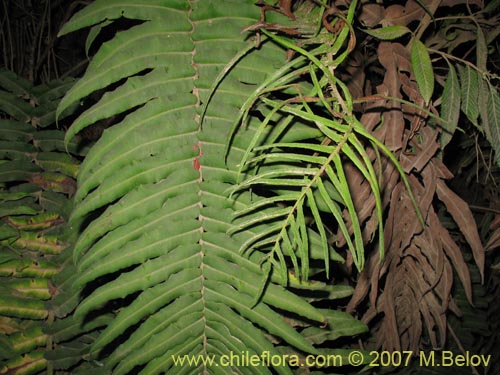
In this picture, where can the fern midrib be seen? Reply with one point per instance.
(310, 185)
(198, 166)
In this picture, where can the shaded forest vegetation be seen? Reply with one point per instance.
(202, 177)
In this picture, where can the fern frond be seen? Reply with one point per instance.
(35, 237)
(153, 206)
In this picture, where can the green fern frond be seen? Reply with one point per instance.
(153, 207)
(34, 235)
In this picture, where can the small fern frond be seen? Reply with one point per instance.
(325, 166)
(324, 104)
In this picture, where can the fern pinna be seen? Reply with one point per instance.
(154, 203)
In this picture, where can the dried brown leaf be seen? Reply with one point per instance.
(462, 215)
(417, 269)
(429, 305)
(441, 170)
(371, 14)
(403, 15)
(396, 60)
(367, 277)
(389, 324)
(455, 255)
(431, 249)
(444, 288)
(430, 180)
(424, 259)
(494, 240)
(406, 225)
(371, 119)
(424, 152)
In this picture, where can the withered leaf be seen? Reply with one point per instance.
(494, 240)
(462, 215)
(454, 254)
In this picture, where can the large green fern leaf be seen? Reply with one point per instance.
(153, 205)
